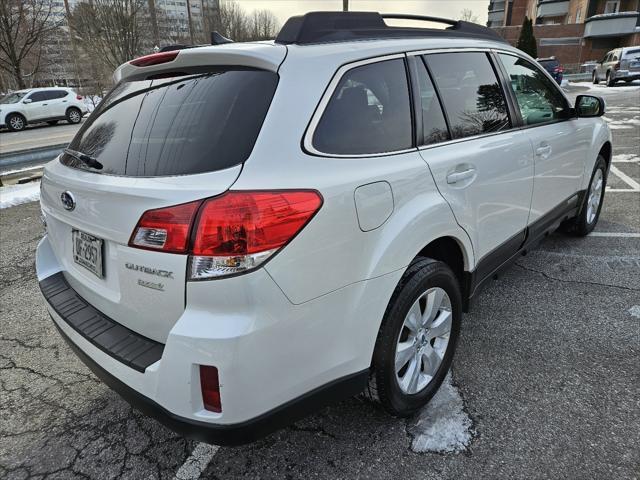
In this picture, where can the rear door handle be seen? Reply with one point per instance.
(543, 151)
(456, 177)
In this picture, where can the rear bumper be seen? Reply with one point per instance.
(627, 75)
(233, 434)
(277, 361)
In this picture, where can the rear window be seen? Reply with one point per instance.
(176, 125)
(632, 53)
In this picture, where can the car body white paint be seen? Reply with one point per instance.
(311, 314)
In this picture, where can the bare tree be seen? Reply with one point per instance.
(23, 26)
(467, 15)
(230, 20)
(111, 31)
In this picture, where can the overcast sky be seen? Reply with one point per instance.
(284, 9)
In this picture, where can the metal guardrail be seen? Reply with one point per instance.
(31, 156)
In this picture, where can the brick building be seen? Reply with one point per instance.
(574, 31)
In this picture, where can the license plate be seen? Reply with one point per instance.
(87, 251)
(634, 65)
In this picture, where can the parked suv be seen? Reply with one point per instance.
(242, 233)
(37, 105)
(552, 65)
(617, 65)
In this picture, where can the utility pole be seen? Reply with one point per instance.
(154, 23)
(74, 47)
(345, 5)
(190, 22)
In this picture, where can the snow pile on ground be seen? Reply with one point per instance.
(602, 89)
(13, 195)
(442, 426)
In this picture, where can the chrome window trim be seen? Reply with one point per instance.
(324, 101)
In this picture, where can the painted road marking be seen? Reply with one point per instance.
(197, 462)
(615, 234)
(625, 178)
(619, 190)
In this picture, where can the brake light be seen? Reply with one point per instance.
(155, 59)
(165, 229)
(229, 234)
(240, 230)
(616, 66)
(210, 386)
(78, 97)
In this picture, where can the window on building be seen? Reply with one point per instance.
(612, 6)
(471, 93)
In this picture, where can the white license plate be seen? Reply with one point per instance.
(87, 251)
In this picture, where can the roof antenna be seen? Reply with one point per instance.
(217, 39)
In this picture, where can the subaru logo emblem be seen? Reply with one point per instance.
(68, 202)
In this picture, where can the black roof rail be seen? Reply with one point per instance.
(322, 27)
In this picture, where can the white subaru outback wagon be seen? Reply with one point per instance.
(241, 233)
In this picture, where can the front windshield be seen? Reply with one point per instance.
(13, 97)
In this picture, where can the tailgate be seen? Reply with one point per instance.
(140, 289)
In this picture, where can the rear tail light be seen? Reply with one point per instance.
(233, 233)
(154, 59)
(210, 386)
(616, 66)
(78, 97)
(165, 229)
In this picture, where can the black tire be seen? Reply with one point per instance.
(610, 81)
(422, 274)
(16, 122)
(594, 78)
(74, 115)
(52, 122)
(580, 225)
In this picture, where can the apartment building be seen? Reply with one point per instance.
(575, 31)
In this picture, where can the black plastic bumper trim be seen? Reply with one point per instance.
(121, 343)
(237, 433)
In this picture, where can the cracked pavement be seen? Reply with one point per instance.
(547, 364)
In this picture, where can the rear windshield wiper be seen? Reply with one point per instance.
(88, 160)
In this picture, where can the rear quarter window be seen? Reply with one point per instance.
(369, 112)
(177, 125)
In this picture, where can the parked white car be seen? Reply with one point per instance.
(36, 105)
(621, 64)
(244, 232)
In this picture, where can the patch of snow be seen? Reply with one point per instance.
(635, 311)
(442, 426)
(564, 83)
(13, 195)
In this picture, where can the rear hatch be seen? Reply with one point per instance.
(162, 138)
(631, 60)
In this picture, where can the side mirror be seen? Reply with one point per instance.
(27, 100)
(589, 106)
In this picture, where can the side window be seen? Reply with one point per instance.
(38, 97)
(434, 125)
(538, 98)
(59, 94)
(471, 93)
(369, 112)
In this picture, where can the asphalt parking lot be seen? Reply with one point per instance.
(547, 370)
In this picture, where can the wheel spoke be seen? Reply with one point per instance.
(441, 325)
(430, 361)
(413, 319)
(434, 300)
(403, 354)
(407, 379)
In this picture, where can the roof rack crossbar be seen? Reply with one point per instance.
(323, 27)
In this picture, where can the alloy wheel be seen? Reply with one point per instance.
(595, 195)
(423, 340)
(16, 123)
(74, 116)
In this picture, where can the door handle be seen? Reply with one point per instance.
(543, 151)
(456, 177)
